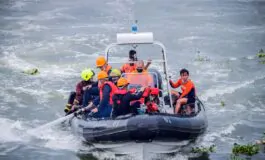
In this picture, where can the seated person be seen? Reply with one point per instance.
(76, 98)
(140, 76)
(123, 97)
(106, 91)
(188, 91)
(152, 101)
(115, 74)
(102, 64)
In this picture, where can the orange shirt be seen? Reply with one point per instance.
(185, 87)
(127, 68)
(144, 78)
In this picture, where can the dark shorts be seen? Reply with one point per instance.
(190, 97)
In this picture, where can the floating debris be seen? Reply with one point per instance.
(249, 149)
(222, 103)
(235, 157)
(201, 58)
(201, 149)
(32, 71)
(261, 54)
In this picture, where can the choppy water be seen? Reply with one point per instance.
(61, 37)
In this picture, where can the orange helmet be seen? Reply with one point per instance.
(100, 61)
(102, 75)
(122, 82)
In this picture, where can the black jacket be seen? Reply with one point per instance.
(121, 102)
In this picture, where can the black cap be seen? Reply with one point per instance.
(132, 52)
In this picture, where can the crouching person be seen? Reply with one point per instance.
(123, 97)
(76, 98)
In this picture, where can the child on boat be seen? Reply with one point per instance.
(188, 91)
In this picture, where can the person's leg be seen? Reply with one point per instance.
(191, 105)
(175, 96)
(86, 97)
(70, 102)
(180, 102)
(105, 112)
(71, 98)
(89, 95)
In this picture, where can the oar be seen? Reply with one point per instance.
(59, 120)
(53, 123)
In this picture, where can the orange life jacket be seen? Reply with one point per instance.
(113, 90)
(151, 107)
(145, 94)
(108, 69)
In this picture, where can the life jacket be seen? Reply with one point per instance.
(151, 107)
(113, 90)
(154, 91)
(127, 68)
(108, 69)
(145, 94)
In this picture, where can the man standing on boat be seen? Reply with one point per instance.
(188, 91)
(130, 67)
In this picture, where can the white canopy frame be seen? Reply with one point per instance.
(140, 38)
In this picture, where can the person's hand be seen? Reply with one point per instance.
(80, 111)
(76, 102)
(75, 107)
(149, 61)
(95, 110)
(142, 89)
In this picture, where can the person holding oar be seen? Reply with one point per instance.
(85, 85)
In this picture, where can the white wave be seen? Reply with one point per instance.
(12, 131)
(53, 71)
(7, 98)
(232, 58)
(16, 131)
(5, 150)
(189, 38)
(34, 27)
(219, 133)
(224, 89)
(11, 60)
(18, 5)
(14, 32)
(250, 57)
